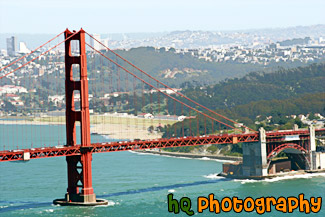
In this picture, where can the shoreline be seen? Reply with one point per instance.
(192, 156)
(295, 173)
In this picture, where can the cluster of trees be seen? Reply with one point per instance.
(248, 114)
(282, 84)
(295, 41)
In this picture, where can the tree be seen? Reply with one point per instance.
(8, 107)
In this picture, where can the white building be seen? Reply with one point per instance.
(94, 43)
(12, 89)
(148, 116)
(164, 90)
(17, 102)
(105, 42)
(23, 48)
(56, 99)
(181, 118)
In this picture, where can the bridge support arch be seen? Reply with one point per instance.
(79, 166)
(257, 155)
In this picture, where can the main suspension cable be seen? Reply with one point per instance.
(30, 52)
(38, 56)
(178, 93)
(158, 89)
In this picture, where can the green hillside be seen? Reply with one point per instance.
(281, 84)
(259, 95)
(156, 61)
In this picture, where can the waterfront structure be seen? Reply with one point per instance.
(258, 156)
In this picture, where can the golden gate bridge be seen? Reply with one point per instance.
(141, 93)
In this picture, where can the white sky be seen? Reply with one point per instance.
(122, 16)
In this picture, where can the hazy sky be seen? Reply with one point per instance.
(121, 16)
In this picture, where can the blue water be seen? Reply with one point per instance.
(137, 185)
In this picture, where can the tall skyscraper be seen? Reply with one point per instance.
(11, 46)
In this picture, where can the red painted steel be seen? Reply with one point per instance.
(127, 145)
(39, 153)
(149, 144)
(72, 116)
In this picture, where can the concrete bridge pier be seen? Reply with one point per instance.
(312, 145)
(255, 156)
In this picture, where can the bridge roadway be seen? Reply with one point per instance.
(59, 151)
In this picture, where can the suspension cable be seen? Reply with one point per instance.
(178, 93)
(158, 89)
(30, 52)
(38, 56)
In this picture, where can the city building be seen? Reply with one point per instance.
(94, 43)
(11, 46)
(23, 48)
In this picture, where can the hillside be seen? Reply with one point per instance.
(256, 112)
(253, 90)
(259, 95)
(282, 84)
(175, 69)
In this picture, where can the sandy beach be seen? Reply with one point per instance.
(112, 126)
(122, 131)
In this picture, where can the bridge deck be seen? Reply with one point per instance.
(34, 153)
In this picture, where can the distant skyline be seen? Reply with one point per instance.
(129, 16)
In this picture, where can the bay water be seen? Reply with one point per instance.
(135, 184)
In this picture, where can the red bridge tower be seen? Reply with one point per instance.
(79, 166)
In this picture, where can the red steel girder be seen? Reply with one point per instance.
(272, 138)
(39, 153)
(281, 147)
(126, 146)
